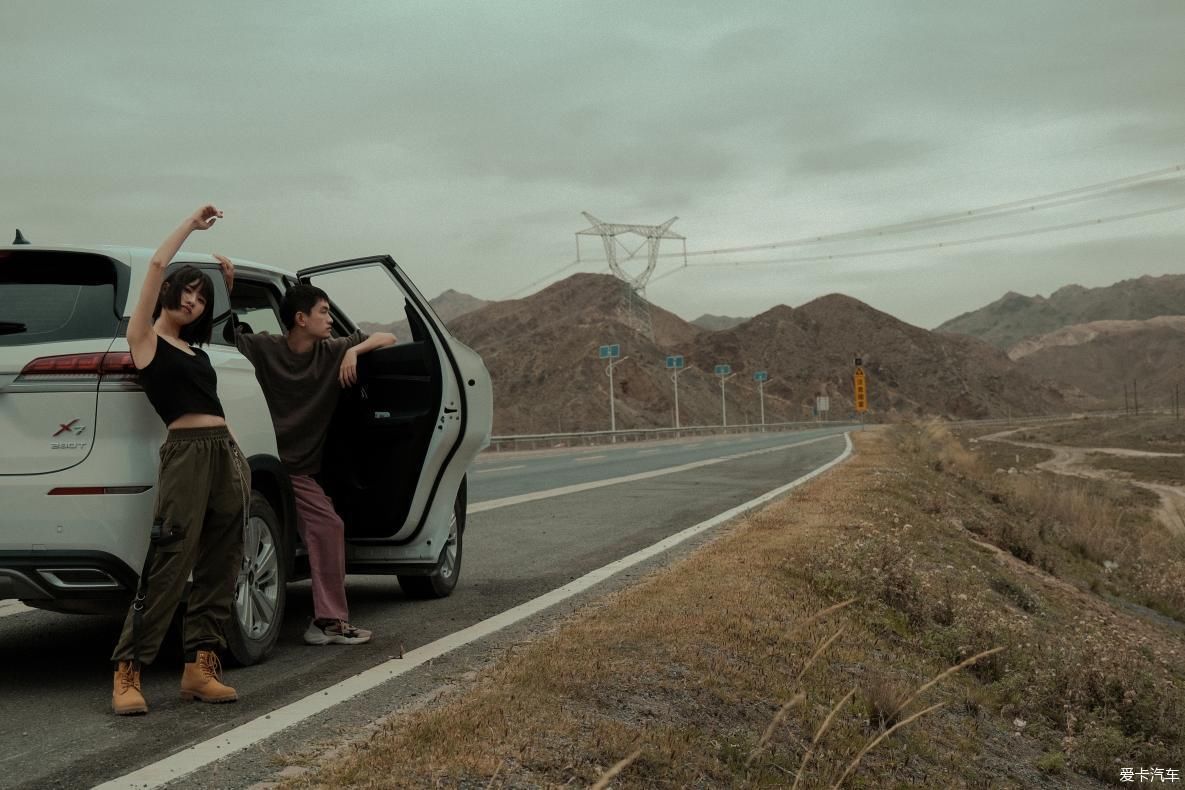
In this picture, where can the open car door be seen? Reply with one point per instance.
(396, 430)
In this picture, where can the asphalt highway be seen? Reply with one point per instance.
(523, 538)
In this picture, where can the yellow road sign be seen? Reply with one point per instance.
(861, 390)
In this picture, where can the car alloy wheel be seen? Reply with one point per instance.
(258, 610)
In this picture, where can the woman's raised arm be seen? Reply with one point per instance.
(141, 336)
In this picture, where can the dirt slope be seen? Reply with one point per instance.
(1014, 317)
(1102, 357)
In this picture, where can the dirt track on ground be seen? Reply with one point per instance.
(1074, 462)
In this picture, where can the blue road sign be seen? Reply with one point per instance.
(761, 375)
(723, 370)
(675, 362)
(609, 352)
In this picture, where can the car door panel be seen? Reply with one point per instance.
(390, 438)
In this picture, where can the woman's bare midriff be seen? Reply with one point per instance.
(197, 421)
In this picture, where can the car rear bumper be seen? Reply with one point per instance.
(47, 576)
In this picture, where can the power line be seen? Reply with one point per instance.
(1050, 200)
(1039, 202)
(544, 278)
(931, 245)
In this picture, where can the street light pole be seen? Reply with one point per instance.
(612, 400)
(613, 354)
(612, 407)
(761, 377)
(724, 371)
(723, 404)
(675, 376)
(674, 363)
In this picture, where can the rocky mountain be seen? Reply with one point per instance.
(1101, 358)
(449, 305)
(453, 304)
(542, 355)
(1015, 317)
(714, 323)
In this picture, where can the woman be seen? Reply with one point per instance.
(203, 486)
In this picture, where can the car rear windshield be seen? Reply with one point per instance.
(50, 296)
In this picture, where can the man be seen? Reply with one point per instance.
(302, 374)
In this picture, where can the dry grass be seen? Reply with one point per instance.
(1165, 469)
(737, 666)
(1098, 534)
(1146, 432)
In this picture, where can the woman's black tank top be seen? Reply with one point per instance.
(177, 383)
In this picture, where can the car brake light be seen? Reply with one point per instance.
(108, 364)
(68, 365)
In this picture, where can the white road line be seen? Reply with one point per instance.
(200, 755)
(584, 458)
(649, 452)
(8, 608)
(493, 504)
(500, 469)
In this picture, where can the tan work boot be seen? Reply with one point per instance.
(126, 698)
(202, 680)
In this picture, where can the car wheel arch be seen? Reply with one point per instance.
(270, 479)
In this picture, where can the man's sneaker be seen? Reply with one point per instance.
(335, 632)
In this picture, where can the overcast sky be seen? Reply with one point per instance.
(465, 139)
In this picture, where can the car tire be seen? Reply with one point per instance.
(443, 580)
(257, 610)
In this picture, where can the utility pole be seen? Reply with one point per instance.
(725, 373)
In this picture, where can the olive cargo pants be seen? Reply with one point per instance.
(203, 494)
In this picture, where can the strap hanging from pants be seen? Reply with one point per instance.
(160, 536)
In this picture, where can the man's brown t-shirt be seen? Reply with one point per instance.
(301, 391)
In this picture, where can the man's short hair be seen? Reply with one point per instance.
(300, 299)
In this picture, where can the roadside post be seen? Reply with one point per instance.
(761, 377)
(675, 364)
(860, 387)
(725, 373)
(613, 354)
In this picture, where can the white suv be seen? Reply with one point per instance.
(79, 439)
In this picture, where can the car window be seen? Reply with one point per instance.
(257, 306)
(372, 300)
(52, 296)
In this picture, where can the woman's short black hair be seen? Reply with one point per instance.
(198, 332)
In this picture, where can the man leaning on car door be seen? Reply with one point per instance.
(302, 374)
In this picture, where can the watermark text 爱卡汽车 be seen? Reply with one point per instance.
(1172, 775)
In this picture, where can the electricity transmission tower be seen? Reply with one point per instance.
(635, 310)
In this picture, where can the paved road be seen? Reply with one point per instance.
(56, 729)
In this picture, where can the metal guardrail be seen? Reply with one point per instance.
(537, 440)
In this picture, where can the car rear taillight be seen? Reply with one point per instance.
(113, 366)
